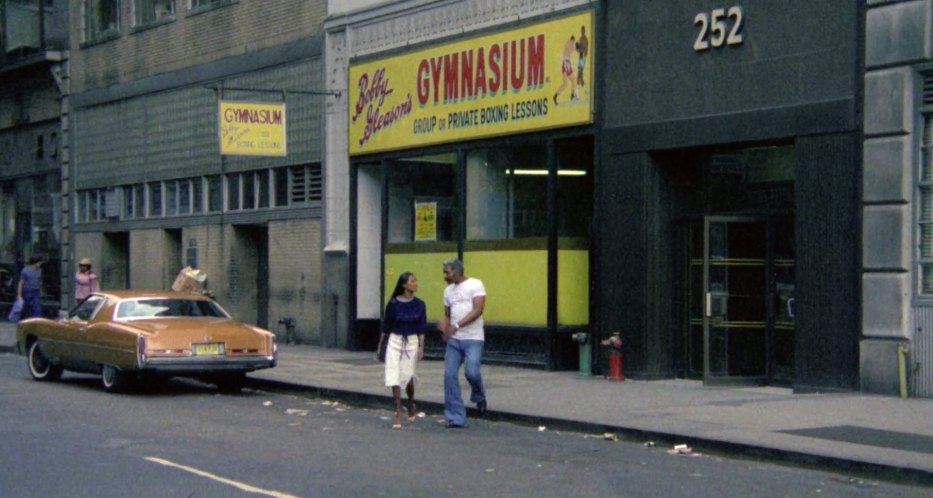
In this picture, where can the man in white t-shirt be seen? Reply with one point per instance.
(464, 300)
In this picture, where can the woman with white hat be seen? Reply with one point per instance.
(85, 280)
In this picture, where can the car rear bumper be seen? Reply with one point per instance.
(206, 364)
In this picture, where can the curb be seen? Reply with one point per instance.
(710, 446)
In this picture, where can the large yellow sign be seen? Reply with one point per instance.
(529, 78)
(252, 129)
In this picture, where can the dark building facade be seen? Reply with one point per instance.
(731, 160)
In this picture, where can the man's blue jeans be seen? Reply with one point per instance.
(470, 354)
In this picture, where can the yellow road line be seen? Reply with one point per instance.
(230, 482)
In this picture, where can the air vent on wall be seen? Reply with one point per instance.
(928, 88)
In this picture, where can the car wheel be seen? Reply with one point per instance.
(113, 379)
(40, 367)
(231, 383)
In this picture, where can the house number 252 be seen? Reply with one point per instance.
(718, 27)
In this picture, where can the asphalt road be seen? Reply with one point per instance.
(182, 438)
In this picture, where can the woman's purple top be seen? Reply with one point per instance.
(405, 318)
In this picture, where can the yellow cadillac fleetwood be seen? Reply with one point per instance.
(130, 336)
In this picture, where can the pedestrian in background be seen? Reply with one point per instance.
(462, 328)
(30, 282)
(404, 327)
(85, 280)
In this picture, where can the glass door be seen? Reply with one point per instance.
(735, 300)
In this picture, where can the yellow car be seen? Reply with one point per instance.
(128, 336)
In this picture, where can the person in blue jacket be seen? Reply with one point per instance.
(30, 282)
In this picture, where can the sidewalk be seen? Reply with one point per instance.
(849, 432)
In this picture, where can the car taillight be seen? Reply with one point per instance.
(141, 348)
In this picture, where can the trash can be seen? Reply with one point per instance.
(586, 353)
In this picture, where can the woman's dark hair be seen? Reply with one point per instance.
(400, 286)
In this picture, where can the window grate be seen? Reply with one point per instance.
(928, 88)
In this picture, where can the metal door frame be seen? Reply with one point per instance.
(709, 380)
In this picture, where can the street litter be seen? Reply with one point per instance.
(266, 403)
(297, 412)
(682, 449)
(649, 444)
(490, 470)
(421, 415)
(608, 436)
(541, 428)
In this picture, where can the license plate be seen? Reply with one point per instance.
(208, 349)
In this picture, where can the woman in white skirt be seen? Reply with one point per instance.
(404, 327)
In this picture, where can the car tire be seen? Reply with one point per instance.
(231, 383)
(40, 367)
(113, 379)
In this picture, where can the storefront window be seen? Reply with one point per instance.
(280, 176)
(574, 187)
(197, 202)
(171, 198)
(507, 192)
(92, 206)
(421, 199)
(139, 198)
(184, 197)
(249, 196)
(215, 194)
(233, 192)
(155, 199)
(263, 180)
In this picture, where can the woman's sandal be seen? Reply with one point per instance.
(411, 415)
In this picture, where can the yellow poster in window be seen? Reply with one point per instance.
(425, 221)
(252, 129)
(529, 78)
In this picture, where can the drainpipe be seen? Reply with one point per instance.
(902, 369)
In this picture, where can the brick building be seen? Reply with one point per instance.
(152, 191)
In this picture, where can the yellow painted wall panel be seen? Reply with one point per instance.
(516, 285)
(515, 281)
(573, 287)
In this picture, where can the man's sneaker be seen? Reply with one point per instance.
(481, 408)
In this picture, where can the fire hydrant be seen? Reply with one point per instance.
(614, 343)
(583, 339)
